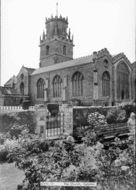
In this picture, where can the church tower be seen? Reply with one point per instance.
(57, 44)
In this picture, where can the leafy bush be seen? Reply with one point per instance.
(3, 137)
(117, 165)
(116, 115)
(80, 115)
(6, 122)
(96, 122)
(7, 147)
(3, 154)
(64, 160)
(15, 123)
(129, 108)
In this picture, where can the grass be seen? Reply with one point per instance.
(10, 176)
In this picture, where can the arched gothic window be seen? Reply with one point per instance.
(77, 84)
(106, 84)
(40, 88)
(57, 85)
(64, 50)
(22, 88)
(122, 81)
(47, 50)
(22, 76)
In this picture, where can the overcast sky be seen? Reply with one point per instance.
(96, 24)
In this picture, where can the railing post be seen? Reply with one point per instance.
(62, 123)
(47, 125)
(59, 123)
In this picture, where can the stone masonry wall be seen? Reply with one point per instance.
(41, 114)
(68, 118)
(86, 70)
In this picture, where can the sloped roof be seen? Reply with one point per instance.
(10, 81)
(117, 56)
(7, 90)
(133, 65)
(66, 64)
(30, 70)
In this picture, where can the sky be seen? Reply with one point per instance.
(95, 24)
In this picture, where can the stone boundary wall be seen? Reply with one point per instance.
(68, 118)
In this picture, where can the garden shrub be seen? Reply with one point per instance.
(129, 108)
(36, 146)
(116, 115)
(63, 160)
(7, 147)
(16, 130)
(6, 122)
(14, 123)
(27, 118)
(82, 162)
(96, 121)
(80, 115)
(3, 154)
(3, 137)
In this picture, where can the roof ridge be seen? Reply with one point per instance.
(67, 61)
(82, 57)
(28, 67)
(66, 64)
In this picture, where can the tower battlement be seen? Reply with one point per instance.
(56, 18)
(56, 44)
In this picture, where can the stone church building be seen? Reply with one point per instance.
(97, 79)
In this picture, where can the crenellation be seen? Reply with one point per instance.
(56, 39)
(56, 18)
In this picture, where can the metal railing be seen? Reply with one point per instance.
(54, 125)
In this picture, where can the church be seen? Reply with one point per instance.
(96, 79)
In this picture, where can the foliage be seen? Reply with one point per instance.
(6, 147)
(14, 123)
(3, 137)
(129, 108)
(116, 161)
(112, 166)
(66, 161)
(28, 119)
(6, 122)
(96, 122)
(96, 119)
(116, 165)
(117, 115)
(80, 115)
(3, 154)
